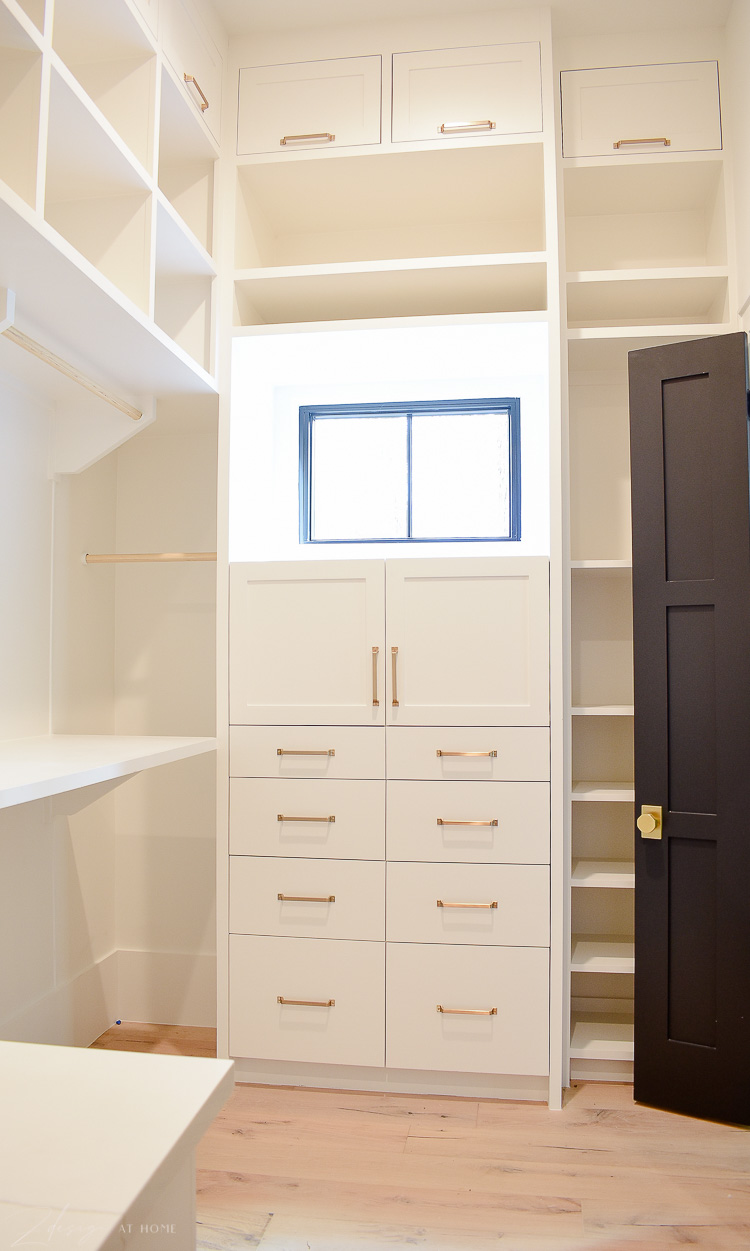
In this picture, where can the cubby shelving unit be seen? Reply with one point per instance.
(20, 97)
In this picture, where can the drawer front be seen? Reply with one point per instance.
(512, 980)
(324, 898)
(340, 819)
(458, 754)
(190, 50)
(637, 108)
(307, 751)
(352, 974)
(510, 904)
(291, 108)
(440, 93)
(421, 817)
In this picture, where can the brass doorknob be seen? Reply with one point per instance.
(649, 822)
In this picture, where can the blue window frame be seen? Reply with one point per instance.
(425, 472)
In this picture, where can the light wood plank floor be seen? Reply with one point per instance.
(298, 1170)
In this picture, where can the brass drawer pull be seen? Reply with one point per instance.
(450, 128)
(204, 98)
(394, 659)
(375, 700)
(280, 817)
(440, 904)
(306, 898)
(308, 1003)
(492, 754)
(323, 134)
(467, 1011)
(620, 143)
(440, 821)
(287, 751)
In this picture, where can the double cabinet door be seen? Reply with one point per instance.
(461, 643)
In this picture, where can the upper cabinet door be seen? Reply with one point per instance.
(302, 640)
(195, 59)
(641, 108)
(468, 641)
(467, 92)
(311, 104)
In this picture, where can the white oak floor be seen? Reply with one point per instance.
(297, 1170)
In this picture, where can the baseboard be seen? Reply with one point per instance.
(72, 1015)
(168, 988)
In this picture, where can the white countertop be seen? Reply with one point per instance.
(85, 1133)
(48, 764)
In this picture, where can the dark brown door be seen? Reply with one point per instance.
(691, 611)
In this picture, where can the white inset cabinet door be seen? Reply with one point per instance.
(195, 59)
(302, 643)
(468, 642)
(310, 104)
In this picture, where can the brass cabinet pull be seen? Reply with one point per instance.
(449, 128)
(394, 659)
(281, 817)
(440, 904)
(649, 822)
(375, 700)
(622, 142)
(288, 751)
(204, 98)
(308, 1003)
(467, 1011)
(323, 134)
(440, 821)
(306, 898)
(493, 754)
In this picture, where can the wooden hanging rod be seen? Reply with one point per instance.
(70, 371)
(142, 558)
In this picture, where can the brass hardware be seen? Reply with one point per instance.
(622, 142)
(288, 751)
(308, 1003)
(394, 656)
(306, 898)
(280, 817)
(465, 753)
(375, 700)
(467, 1011)
(440, 904)
(324, 134)
(440, 821)
(204, 99)
(449, 128)
(649, 822)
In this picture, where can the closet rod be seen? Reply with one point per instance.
(142, 558)
(70, 371)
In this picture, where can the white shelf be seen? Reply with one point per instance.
(601, 1036)
(602, 954)
(178, 252)
(604, 710)
(604, 792)
(50, 764)
(603, 874)
(603, 567)
(625, 298)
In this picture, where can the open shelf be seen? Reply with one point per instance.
(601, 1036)
(50, 764)
(604, 568)
(20, 92)
(455, 202)
(603, 874)
(644, 297)
(184, 282)
(604, 792)
(105, 48)
(604, 710)
(602, 954)
(187, 162)
(601, 642)
(487, 284)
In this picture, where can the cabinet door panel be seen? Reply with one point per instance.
(190, 50)
(521, 810)
(301, 643)
(357, 833)
(520, 893)
(499, 83)
(472, 640)
(334, 103)
(357, 909)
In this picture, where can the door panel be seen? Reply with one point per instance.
(691, 600)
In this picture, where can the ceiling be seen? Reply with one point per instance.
(570, 17)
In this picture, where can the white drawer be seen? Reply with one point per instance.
(191, 51)
(306, 751)
(308, 808)
(441, 92)
(521, 810)
(316, 970)
(324, 898)
(637, 108)
(460, 754)
(511, 904)
(288, 108)
(512, 980)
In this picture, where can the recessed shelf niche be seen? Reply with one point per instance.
(601, 644)
(20, 88)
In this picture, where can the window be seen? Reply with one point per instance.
(447, 471)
